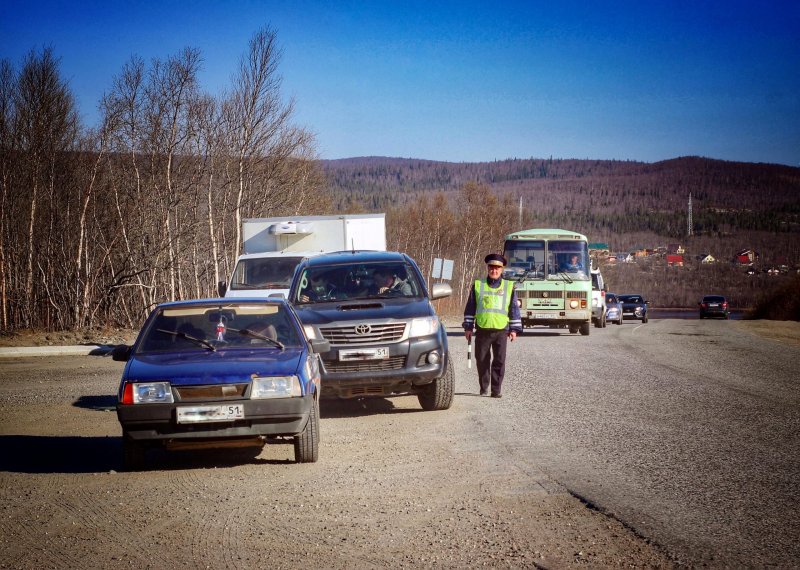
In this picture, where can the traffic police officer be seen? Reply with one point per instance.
(493, 312)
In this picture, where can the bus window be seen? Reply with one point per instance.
(525, 258)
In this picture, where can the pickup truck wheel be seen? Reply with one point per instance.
(619, 321)
(585, 328)
(603, 322)
(306, 444)
(438, 395)
(133, 453)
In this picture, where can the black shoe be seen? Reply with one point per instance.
(497, 395)
(484, 392)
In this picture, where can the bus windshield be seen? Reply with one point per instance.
(547, 259)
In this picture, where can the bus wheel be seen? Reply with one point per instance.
(585, 327)
(573, 329)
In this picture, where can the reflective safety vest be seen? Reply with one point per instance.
(492, 303)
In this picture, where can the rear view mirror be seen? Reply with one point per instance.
(440, 290)
(221, 316)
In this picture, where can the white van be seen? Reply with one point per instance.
(598, 299)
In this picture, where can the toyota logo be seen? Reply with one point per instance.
(363, 329)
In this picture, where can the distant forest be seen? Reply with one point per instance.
(627, 205)
(611, 201)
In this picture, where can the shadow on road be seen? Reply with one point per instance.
(99, 403)
(359, 407)
(55, 454)
(69, 454)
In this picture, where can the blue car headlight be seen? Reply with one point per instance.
(147, 393)
(275, 387)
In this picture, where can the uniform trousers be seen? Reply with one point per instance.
(490, 358)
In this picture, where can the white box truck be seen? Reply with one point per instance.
(273, 247)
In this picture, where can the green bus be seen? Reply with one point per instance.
(552, 271)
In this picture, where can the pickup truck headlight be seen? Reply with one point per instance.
(147, 393)
(423, 327)
(275, 387)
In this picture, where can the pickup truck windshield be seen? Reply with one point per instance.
(357, 281)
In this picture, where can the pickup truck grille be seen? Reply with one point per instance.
(392, 363)
(364, 333)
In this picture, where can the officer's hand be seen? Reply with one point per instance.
(468, 335)
(512, 335)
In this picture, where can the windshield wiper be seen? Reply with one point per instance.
(565, 277)
(254, 334)
(198, 341)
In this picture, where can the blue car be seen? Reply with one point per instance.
(634, 307)
(218, 373)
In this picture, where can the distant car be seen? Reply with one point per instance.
(714, 306)
(633, 307)
(218, 373)
(613, 309)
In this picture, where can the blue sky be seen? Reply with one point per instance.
(470, 81)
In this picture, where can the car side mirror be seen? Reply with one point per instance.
(121, 353)
(320, 345)
(440, 290)
(222, 288)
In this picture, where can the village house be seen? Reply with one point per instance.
(675, 249)
(599, 249)
(674, 260)
(706, 258)
(746, 257)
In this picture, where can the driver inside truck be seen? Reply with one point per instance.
(318, 288)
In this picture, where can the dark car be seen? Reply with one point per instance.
(714, 306)
(385, 337)
(613, 309)
(220, 372)
(634, 306)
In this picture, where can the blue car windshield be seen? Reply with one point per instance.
(213, 327)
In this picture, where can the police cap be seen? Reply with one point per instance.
(495, 259)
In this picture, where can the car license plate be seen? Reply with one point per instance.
(199, 414)
(713, 304)
(544, 316)
(377, 353)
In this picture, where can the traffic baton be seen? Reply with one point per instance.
(469, 352)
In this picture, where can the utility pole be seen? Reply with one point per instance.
(689, 224)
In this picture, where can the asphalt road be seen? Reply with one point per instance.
(686, 431)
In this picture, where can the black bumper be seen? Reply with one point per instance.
(272, 417)
(408, 360)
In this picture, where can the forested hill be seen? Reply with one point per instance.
(602, 185)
